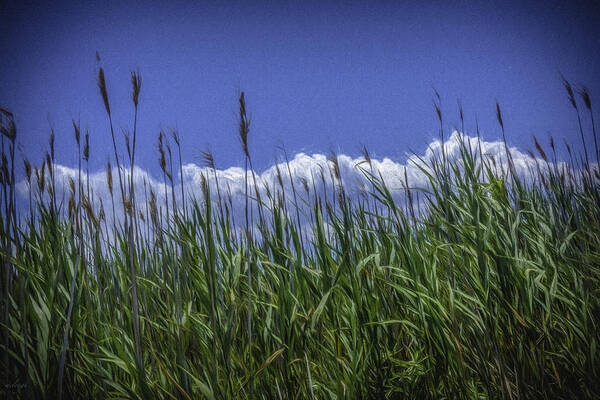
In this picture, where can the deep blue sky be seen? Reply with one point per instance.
(316, 74)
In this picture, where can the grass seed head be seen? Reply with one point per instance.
(27, 165)
(175, 136)
(71, 207)
(540, 149)
(89, 210)
(101, 213)
(278, 174)
(585, 95)
(335, 164)
(41, 177)
(162, 160)
(570, 93)
(367, 156)
(103, 91)
(9, 130)
(86, 147)
(136, 84)
(244, 125)
(499, 115)
(305, 184)
(127, 143)
(208, 158)
(153, 208)
(77, 132)
(128, 205)
(109, 178)
(72, 185)
(6, 113)
(204, 187)
(322, 174)
(49, 163)
(52, 138)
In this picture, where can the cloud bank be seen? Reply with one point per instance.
(309, 175)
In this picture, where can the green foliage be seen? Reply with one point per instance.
(492, 290)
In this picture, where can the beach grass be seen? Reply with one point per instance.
(482, 285)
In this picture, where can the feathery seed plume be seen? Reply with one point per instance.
(244, 125)
(77, 131)
(86, 147)
(27, 165)
(103, 91)
(499, 115)
(539, 149)
(136, 83)
(109, 178)
(569, 90)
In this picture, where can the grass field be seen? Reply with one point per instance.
(482, 285)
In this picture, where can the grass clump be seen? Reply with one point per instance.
(484, 285)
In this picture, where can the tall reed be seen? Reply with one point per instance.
(483, 284)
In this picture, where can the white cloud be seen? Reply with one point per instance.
(313, 169)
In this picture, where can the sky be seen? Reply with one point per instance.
(316, 75)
